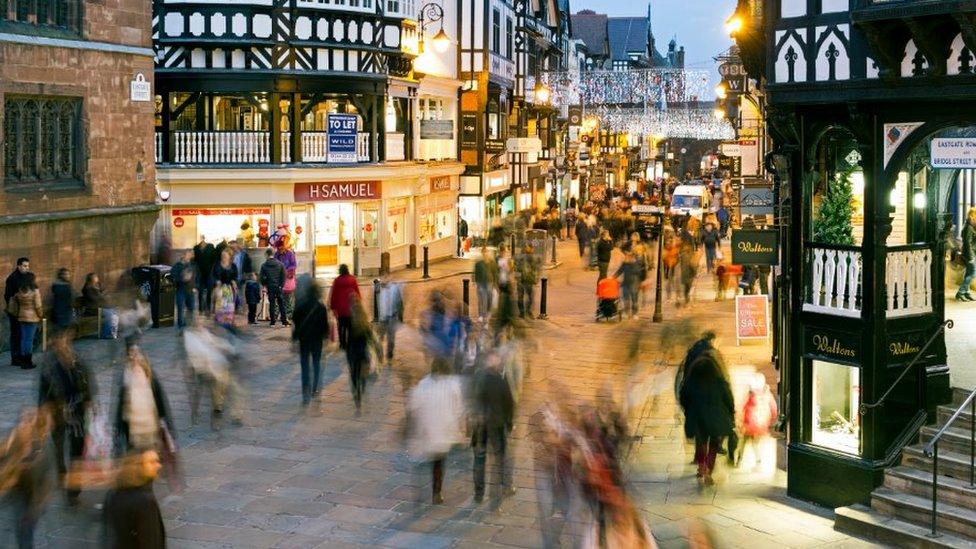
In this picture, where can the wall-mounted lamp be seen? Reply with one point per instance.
(432, 13)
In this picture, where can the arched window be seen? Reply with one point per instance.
(41, 140)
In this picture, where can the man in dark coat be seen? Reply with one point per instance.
(184, 278)
(62, 312)
(706, 398)
(273, 280)
(582, 234)
(310, 331)
(493, 419)
(604, 250)
(14, 280)
(204, 257)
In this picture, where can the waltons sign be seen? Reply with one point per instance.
(755, 247)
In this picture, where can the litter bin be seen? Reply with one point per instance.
(155, 283)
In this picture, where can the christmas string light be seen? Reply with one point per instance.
(681, 122)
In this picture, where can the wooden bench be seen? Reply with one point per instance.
(86, 325)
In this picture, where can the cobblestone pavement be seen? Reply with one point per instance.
(325, 478)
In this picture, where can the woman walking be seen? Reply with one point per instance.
(361, 338)
(26, 306)
(713, 242)
(968, 256)
(311, 322)
(706, 398)
(225, 290)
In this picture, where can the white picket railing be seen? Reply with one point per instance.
(254, 147)
(836, 281)
(221, 147)
(908, 281)
(396, 146)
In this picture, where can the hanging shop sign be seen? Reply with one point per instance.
(437, 129)
(575, 115)
(732, 164)
(756, 201)
(469, 130)
(333, 191)
(832, 345)
(730, 149)
(757, 247)
(751, 317)
(954, 152)
(343, 129)
(183, 212)
(524, 145)
(442, 183)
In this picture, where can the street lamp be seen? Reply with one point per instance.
(733, 25)
(542, 93)
(432, 13)
(721, 91)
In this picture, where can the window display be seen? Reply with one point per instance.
(836, 398)
(217, 224)
(396, 222)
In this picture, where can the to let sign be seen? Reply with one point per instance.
(755, 247)
(337, 191)
(342, 131)
(751, 317)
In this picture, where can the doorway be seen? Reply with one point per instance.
(334, 238)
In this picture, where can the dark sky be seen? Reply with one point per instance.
(698, 25)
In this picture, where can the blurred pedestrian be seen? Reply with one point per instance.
(759, 413)
(10, 289)
(390, 315)
(142, 416)
(485, 278)
(528, 266)
(706, 397)
(67, 389)
(26, 306)
(204, 257)
(273, 280)
(345, 290)
(604, 250)
(435, 420)
(311, 330)
(252, 295)
(630, 273)
(208, 361)
(712, 240)
(132, 516)
(225, 290)
(360, 339)
(582, 235)
(25, 478)
(184, 279)
(492, 419)
(62, 300)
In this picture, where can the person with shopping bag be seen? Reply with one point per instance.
(67, 387)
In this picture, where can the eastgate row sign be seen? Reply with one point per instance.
(333, 191)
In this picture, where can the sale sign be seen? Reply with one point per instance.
(751, 317)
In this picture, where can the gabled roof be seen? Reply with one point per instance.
(627, 34)
(591, 28)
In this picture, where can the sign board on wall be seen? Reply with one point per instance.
(751, 317)
(730, 149)
(332, 191)
(832, 345)
(755, 247)
(954, 152)
(437, 129)
(183, 212)
(442, 183)
(469, 130)
(756, 201)
(140, 89)
(342, 129)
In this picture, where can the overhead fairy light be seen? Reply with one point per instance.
(662, 102)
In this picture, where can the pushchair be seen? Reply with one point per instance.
(608, 299)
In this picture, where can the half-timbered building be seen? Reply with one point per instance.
(875, 97)
(320, 114)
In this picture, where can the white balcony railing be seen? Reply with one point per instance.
(395, 146)
(252, 147)
(835, 286)
(908, 281)
(221, 147)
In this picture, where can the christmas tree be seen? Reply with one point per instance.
(833, 224)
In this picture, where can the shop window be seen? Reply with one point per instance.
(494, 121)
(41, 137)
(370, 229)
(496, 31)
(396, 222)
(836, 399)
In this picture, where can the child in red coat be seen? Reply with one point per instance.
(758, 414)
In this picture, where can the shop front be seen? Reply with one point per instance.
(249, 224)
(484, 199)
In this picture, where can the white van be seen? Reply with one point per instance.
(692, 200)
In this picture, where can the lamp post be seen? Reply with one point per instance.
(432, 13)
(658, 314)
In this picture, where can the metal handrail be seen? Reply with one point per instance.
(932, 450)
(865, 407)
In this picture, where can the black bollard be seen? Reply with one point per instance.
(426, 262)
(512, 249)
(376, 300)
(543, 295)
(466, 296)
(553, 250)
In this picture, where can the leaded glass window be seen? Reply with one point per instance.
(40, 141)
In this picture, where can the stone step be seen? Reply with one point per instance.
(864, 521)
(959, 395)
(962, 422)
(919, 483)
(952, 519)
(951, 464)
(953, 439)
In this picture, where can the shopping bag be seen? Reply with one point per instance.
(98, 442)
